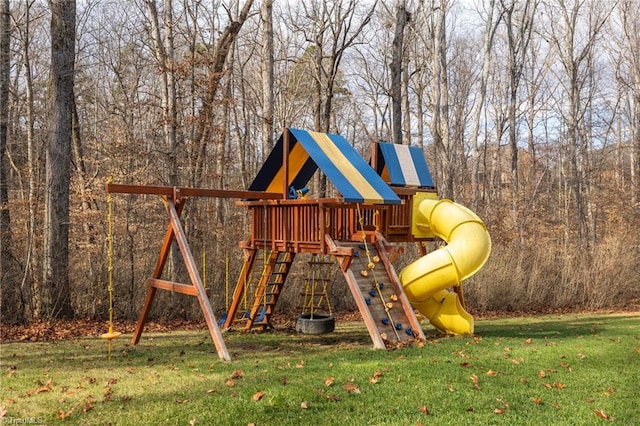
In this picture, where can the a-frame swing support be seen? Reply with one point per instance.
(174, 200)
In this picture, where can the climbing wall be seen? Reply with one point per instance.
(384, 302)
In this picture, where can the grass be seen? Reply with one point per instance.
(559, 369)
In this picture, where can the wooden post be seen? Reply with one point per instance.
(285, 164)
(205, 305)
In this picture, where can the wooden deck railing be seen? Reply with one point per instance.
(300, 225)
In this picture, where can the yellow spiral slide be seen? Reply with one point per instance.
(427, 280)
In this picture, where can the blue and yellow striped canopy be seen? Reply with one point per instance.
(349, 173)
(403, 165)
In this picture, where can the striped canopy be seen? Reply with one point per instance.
(403, 165)
(356, 181)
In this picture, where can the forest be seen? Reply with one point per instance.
(528, 112)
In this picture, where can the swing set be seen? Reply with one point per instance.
(359, 230)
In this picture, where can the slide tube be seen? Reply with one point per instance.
(427, 280)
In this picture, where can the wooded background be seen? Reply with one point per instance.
(528, 112)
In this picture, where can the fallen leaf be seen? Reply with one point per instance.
(304, 405)
(465, 364)
(329, 381)
(212, 390)
(601, 414)
(373, 380)
(351, 388)
(610, 391)
(61, 414)
(44, 388)
(492, 373)
(547, 385)
(423, 409)
(300, 364)
(192, 422)
(377, 374)
(558, 385)
(87, 405)
(474, 379)
(498, 411)
(542, 374)
(536, 401)
(257, 396)
(451, 388)
(333, 398)
(528, 341)
(237, 374)
(230, 383)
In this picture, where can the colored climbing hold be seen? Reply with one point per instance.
(356, 253)
(371, 265)
(367, 301)
(393, 298)
(380, 285)
(398, 326)
(364, 273)
(409, 331)
(385, 321)
(372, 293)
(362, 247)
(376, 259)
(389, 305)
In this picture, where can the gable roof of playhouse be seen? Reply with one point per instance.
(349, 173)
(403, 165)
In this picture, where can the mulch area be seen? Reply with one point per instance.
(45, 331)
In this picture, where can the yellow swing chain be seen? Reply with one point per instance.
(371, 267)
(110, 335)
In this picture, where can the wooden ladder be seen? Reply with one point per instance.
(275, 268)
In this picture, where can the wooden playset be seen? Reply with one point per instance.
(389, 200)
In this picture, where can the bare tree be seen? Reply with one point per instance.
(487, 45)
(266, 15)
(631, 53)
(56, 300)
(402, 16)
(439, 124)
(518, 18)
(10, 297)
(574, 33)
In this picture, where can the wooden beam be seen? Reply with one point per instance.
(169, 191)
(205, 305)
(368, 319)
(171, 286)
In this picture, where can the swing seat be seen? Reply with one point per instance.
(110, 335)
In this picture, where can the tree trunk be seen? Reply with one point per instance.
(56, 300)
(10, 309)
(266, 13)
(396, 72)
(487, 45)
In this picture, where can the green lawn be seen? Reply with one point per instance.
(556, 369)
